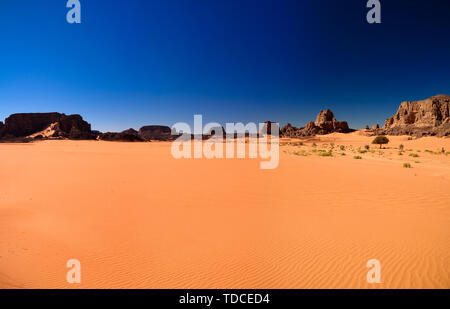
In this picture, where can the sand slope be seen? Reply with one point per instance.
(137, 218)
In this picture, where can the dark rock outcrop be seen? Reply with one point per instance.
(268, 126)
(159, 133)
(2, 129)
(129, 135)
(61, 125)
(325, 123)
(421, 118)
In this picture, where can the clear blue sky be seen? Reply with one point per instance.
(132, 63)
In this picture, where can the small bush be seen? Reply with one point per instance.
(357, 157)
(314, 145)
(326, 154)
(367, 147)
(414, 155)
(401, 147)
(400, 153)
(362, 150)
(406, 165)
(417, 162)
(342, 147)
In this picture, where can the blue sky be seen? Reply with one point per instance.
(132, 63)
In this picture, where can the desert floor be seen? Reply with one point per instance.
(135, 217)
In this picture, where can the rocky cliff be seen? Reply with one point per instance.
(59, 125)
(421, 118)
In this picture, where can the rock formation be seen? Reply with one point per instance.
(48, 125)
(160, 133)
(267, 128)
(325, 123)
(421, 118)
(129, 135)
(2, 129)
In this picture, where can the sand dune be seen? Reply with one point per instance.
(137, 218)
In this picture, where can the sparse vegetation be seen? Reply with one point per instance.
(362, 150)
(380, 140)
(342, 147)
(400, 153)
(401, 147)
(301, 153)
(325, 153)
(357, 157)
(414, 155)
(406, 165)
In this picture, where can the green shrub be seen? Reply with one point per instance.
(326, 154)
(380, 140)
(400, 153)
(406, 165)
(401, 147)
(342, 147)
(414, 155)
(357, 157)
(362, 150)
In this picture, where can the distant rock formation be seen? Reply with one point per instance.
(421, 118)
(267, 128)
(159, 133)
(129, 135)
(48, 125)
(325, 123)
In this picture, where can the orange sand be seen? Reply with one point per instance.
(137, 218)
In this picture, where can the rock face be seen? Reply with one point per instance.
(160, 133)
(2, 129)
(325, 123)
(421, 118)
(129, 135)
(67, 126)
